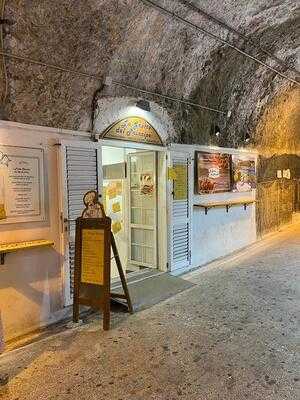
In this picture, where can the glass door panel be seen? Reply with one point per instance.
(143, 209)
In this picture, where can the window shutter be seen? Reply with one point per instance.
(81, 176)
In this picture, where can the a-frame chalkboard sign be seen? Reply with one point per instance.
(93, 243)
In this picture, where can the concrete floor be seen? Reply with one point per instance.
(234, 335)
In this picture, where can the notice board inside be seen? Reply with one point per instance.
(92, 266)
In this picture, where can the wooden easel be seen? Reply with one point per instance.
(94, 217)
(126, 295)
(92, 289)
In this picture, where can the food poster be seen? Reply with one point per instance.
(147, 183)
(213, 172)
(244, 173)
(114, 201)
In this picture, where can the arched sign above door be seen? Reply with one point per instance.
(133, 129)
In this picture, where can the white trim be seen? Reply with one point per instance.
(60, 131)
(131, 145)
(209, 149)
(79, 143)
(63, 214)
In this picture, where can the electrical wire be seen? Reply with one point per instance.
(212, 35)
(32, 61)
(3, 57)
(231, 29)
(175, 99)
(99, 78)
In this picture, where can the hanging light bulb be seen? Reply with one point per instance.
(144, 105)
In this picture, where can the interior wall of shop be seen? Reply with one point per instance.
(219, 233)
(31, 289)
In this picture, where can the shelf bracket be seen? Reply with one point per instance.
(206, 210)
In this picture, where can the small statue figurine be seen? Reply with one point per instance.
(93, 209)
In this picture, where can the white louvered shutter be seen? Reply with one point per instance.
(82, 172)
(180, 218)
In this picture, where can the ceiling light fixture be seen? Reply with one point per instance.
(143, 105)
(247, 138)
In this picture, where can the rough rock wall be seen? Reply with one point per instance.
(276, 202)
(80, 35)
(139, 46)
(136, 44)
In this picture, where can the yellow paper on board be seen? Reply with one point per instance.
(181, 183)
(172, 176)
(104, 198)
(116, 207)
(116, 227)
(119, 188)
(2, 212)
(111, 192)
(92, 256)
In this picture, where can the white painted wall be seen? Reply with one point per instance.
(31, 281)
(31, 288)
(219, 233)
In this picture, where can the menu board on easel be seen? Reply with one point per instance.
(21, 184)
(92, 266)
(92, 256)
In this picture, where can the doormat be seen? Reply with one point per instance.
(154, 289)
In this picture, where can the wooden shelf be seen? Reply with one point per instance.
(15, 246)
(207, 205)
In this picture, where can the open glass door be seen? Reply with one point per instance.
(142, 177)
(80, 171)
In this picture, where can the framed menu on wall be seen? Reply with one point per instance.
(213, 172)
(244, 173)
(22, 197)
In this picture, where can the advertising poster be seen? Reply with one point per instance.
(21, 184)
(113, 203)
(213, 172)
(244, 173)
(147, 184)
(181, 182)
